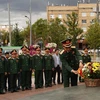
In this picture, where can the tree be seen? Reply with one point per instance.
(44, 31)
(72, 27)
(17, 38)
(40, 30)
(57, 31)
(4, 37)
(93, 36)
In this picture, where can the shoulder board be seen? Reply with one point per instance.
(9, 58)
(62, 52)
(73, 46)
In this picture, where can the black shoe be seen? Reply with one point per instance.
(18, 88)
(23, 89)
(50, 85)
(46, 86)
(6, 90)
(2, 92)
(16, 91)
(12, 91)
(27, 88)
(36, 87)
(54, 83)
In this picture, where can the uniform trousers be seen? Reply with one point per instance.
(68, 78)
(1, 82)
(38, 78)
(56, 70)
(48, 78)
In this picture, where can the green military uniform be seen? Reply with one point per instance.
(7, 76)
(48, 66)
(13, 70)
(30, 71)
(24, 61)
(18, 75)
(86, 58)
(3, 69)
(37, 63)
(70, 60)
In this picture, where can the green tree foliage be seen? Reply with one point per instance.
(93, 35)
(17, 39)
(45, 31)
(57, 31)
(40, 30)
(4, 37)
(72, 26)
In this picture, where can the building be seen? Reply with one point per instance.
(5, 28)
(87, 12)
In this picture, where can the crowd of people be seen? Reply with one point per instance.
(16, 69)
(49, 68)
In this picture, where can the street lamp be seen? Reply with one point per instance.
(9, 24)
(97, 9)
(30, 24)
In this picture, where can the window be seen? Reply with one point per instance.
(83, 21)
(52, 16)
(83, 14)
(92, 14)
(59, 16)
(84, 29)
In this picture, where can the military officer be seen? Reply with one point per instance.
(13, 70)
(24, 62)
(30, 72)
(48, 67)
(37, 63)
(3, 71)
(86, 58)
(19, 74)
(7, 77)
(71, 60)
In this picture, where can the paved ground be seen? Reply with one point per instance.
(30, 94)
(70, 93)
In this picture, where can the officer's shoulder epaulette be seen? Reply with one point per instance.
(9, 58)
(61, 52)
(73, 47)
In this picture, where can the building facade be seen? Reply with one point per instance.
(5, 28)
(87, 12)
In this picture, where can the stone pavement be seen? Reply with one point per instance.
(70, 93)
(35, 94)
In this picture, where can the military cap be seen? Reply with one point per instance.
(13, 51)
(24, 47)
(67, 42)
(46, 48)
(37, 48)
(6, 53)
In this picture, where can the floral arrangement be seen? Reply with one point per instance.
(50, 45)
(90, 70)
